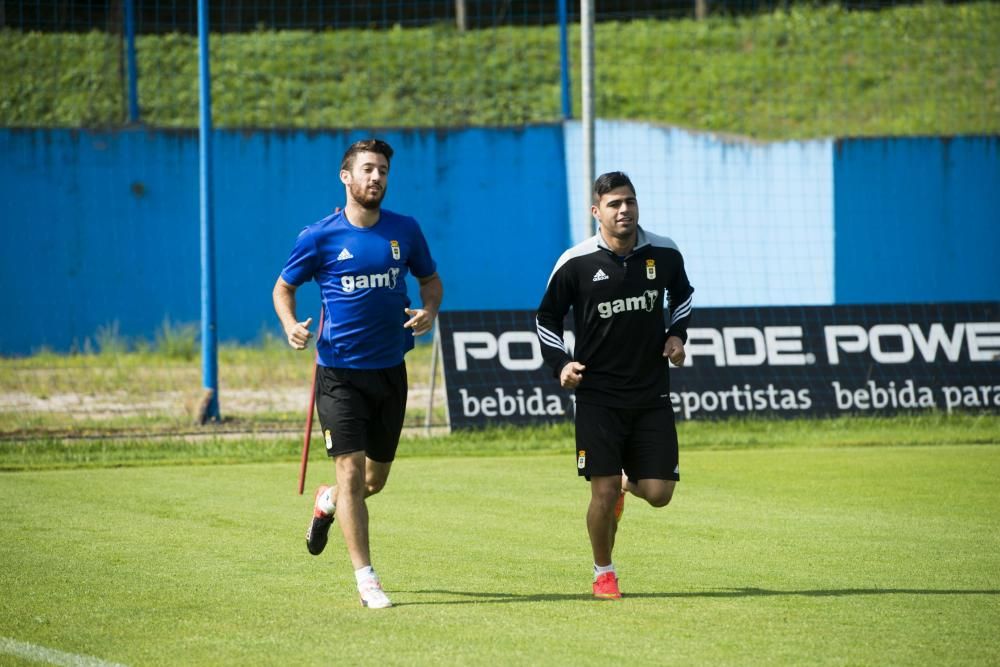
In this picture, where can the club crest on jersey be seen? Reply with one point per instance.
(395, 249)
(651, 269)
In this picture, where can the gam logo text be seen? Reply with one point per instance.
(387, 279)
(646, 302)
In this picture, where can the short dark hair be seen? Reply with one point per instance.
(605, 183)
(365, 146)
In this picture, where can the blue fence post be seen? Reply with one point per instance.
(209, 353)
(130, 59)
(567, 104)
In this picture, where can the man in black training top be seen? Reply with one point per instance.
(618, 284)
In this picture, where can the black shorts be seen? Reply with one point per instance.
(640, 441)
(361, 410)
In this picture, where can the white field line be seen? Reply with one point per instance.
(37, 653)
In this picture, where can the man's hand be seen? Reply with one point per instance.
(420, 320)
(299, 334)
(571, 375)
(674, 351)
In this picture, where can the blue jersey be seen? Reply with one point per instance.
(360, 272)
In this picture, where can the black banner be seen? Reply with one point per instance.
(776, 361)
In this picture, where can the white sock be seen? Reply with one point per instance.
(364, 573)
(325, 502)
(601, 569)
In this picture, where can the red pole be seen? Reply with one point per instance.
(309, 413)
(312, 402)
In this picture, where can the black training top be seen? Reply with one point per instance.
(619, 306)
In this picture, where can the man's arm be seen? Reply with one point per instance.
(549, 326)
(673, 350)
(679, 297)
(296, 332)
(431, 293)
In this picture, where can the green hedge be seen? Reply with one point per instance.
(810, 72)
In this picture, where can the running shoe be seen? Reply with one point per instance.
(606, 587)
(319, 527)
(372, 595)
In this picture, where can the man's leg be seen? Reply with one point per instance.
(352, 512)
(601, 525)
(652, 457)
(357, 478)
(376, 475)
(656, 492)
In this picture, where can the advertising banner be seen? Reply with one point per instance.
(774, 361)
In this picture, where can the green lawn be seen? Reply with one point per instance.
(789, 556)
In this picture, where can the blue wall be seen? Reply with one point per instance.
(98, 227)
(918, 219)
(103, 227)
(753, 220)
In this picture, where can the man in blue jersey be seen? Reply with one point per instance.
(360, 257)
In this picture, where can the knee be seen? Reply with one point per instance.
(605, 496)
(353, 486)
(655, 492)
(373, 486)
(350, 480)
(661, 498)
(608, 500)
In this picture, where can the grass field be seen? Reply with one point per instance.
(810, 555)
(134, 537)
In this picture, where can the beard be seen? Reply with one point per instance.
(366, 198)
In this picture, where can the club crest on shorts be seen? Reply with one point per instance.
(581, 459)
(651, 269)
(329, 438)
(395, 249)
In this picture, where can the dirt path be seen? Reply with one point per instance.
(243, 402)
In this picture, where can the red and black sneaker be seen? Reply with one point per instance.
(319, 527)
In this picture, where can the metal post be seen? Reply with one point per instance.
(587, 95)
(133, 70)
(209, 356)
(567, 103)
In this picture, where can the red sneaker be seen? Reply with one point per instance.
(319, 527)
(606, 587)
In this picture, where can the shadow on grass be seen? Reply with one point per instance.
(485, 597)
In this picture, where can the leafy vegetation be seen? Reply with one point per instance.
(802, 73)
